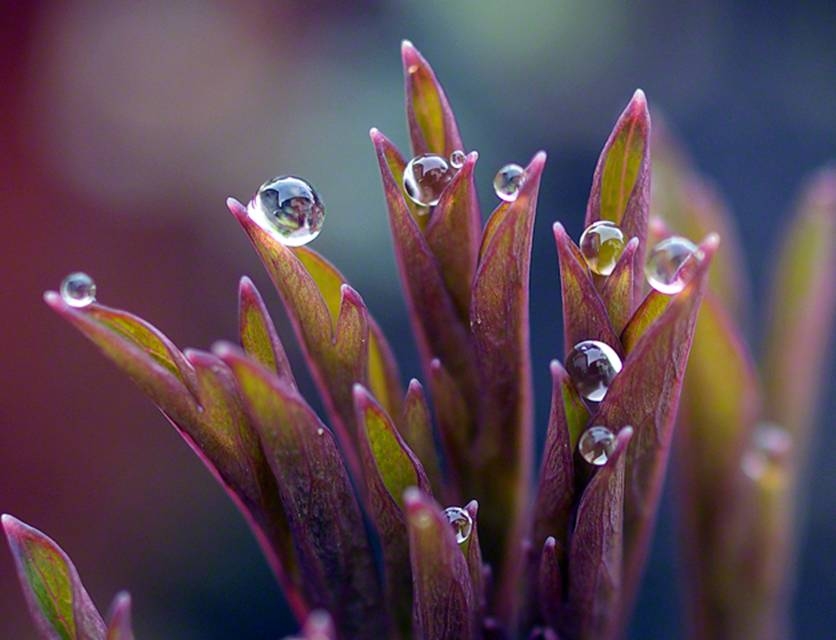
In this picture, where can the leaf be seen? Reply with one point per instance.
(453, 235)
(500, 330)
(258, 333)
(438, 328)
(432, 126)
(455, 425)
(618, 289)
(645, 395)
(58, 602)
(324, 517)
(212, 424)
(621, 182)
(389, 468)
(473, 555)
(584, 314)
(319, 626)
(550, 582)
(802, 310)
(119, 619)
(556, 487)
(416, 429)
(595, 553)
(693, 207)
(341, 344)
(444, 605)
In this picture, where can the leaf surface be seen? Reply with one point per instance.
(119, 625)
(58, 602)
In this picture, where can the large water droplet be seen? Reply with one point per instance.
(288, 208)
(592, 365)
(596, 445)
(457, 159)
(669, 264)
(508, 182)
(78, 289)
(425, 177)
(601, 244)
(461, 522)
(769, 450)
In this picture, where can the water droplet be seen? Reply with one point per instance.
(78, 290)
(596, 445)
(288, 208)
(425, 177)
(669, 267)
(592, 366)
(769, 450)
(457, 159)
(461, 522)
(320, 431)
(601, 244)
(508, 182)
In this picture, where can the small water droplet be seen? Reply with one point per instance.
(596, 445)
(461, 522)
(669, 264)
(457, 159)
(289, 209)
(769, 450)
(320, 431)
(592, 365)
(78, 290)
(425, 178)
(508, 182)
(601, 244)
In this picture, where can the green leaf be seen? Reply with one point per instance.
(336, 561)
(58, 602)
(389, 468)
(416, 428)
(802, 311)
(119, 619)
(432, 126)
(258, 333)
(618, 289)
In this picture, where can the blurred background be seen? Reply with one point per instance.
(124, 126)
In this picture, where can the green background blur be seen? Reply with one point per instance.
(124, 126)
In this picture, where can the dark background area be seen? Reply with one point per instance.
(123, 127)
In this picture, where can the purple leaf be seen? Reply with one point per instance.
(555, 493)
(318, 626)
(437, 326)
(453, 235)
(584, 314)
(645, 395)
(336, 561)
(550, 582)
(500, 329)
(119, 619)
(389, 468)
(444, 605)
(595, 554)
(209, 419)
(432, 126)
(342, 345)
(258, 333)
(473, 555)
(58, 602)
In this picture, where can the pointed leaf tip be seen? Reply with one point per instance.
(58, 602)
(119, 625)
